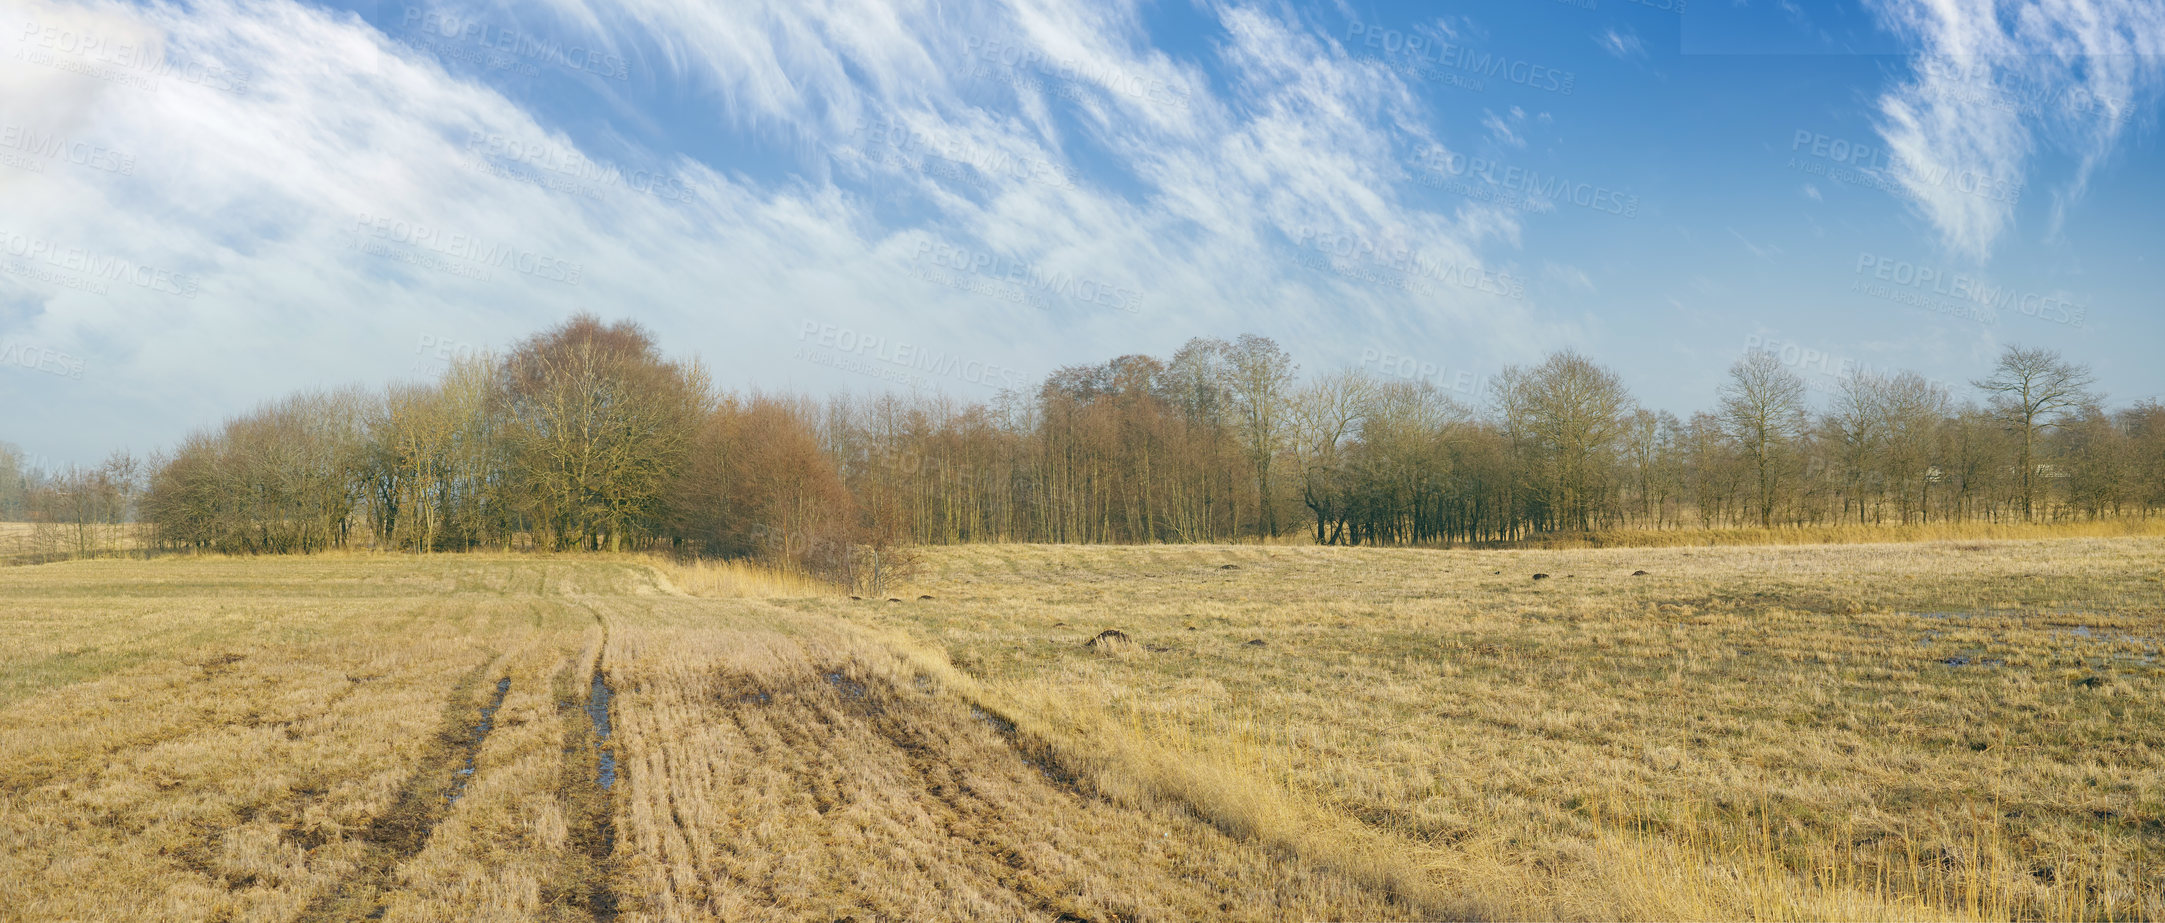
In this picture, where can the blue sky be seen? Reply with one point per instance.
(213, 204)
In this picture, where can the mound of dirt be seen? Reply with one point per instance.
(1112, 641)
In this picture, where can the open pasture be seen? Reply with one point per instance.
(1930, 731)
(1938, 729)
(540, 738)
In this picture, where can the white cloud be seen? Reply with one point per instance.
(1997, 81)
(1763, 252)
(260, 197)
(1622, 46)
(1501, 131)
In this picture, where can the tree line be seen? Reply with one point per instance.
(1222, 441)
(587, 436)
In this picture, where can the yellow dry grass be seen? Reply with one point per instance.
(1854, 534)
(1950, 730)
(735, 579)
(1940, 730)
(25, 542)
(786, 767)
(230, 739)
(390, 737)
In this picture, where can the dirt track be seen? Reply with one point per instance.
(419, 740)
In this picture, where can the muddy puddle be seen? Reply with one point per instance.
(2090, 644)
(597, 711)
(475, 739)
(597, 832)
(845, 685)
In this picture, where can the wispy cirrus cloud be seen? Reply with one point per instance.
(1623, 46)
(1998, 82)
(360, 184)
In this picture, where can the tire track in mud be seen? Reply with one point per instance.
(832, 780)
(823, 730)
(868, 773)
(401, 833)
(474, 740)
(970, 815)
(588, 781)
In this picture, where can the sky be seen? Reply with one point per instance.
(206, 206)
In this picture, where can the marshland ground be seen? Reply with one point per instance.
(1950, 729)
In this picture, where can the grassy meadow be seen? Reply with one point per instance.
(1965, 729)
(1942, 730)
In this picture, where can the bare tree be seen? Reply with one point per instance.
(1650, 440)
(756, 484)
(14, 483)
(1914, 409)
(82, 512)
(282, 479)
(1763, 408)
(432, 458)
(1403, 462)
(1194, 382)
(597, 422)
(586, 437)
(2144, 424)
(1856, 429)
(1323, 417)
(2094, 459)
(1259, 376)
(2034, 390)
(1567, 418)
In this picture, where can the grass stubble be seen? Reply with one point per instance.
(1939, 730)
(1929, 731)
(354, 737)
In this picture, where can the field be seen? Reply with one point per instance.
(422, 739)
(1938, 730)
(15, 539)
(30, 543)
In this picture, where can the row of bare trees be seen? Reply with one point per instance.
(586, 436)
(74, 511)
(1218, 441)
(581, 437)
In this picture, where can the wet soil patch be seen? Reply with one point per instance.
(593, 780)
(477, 737)
(1034, 753)
(844, 685)
(586, 780)
(400, 833)
(1005, 727)
(597, 712)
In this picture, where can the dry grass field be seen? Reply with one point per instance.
(1944, 729)
(31, 543)
(357, 737)
(1940, 730)
(15, 539)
